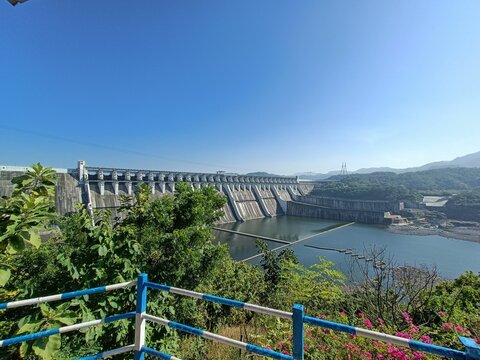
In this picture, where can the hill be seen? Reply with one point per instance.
(467, 161)
(406, 186)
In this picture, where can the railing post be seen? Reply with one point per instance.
(472, 349)
(298, 346)
(139, 321)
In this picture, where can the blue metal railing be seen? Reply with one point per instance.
(297, 316)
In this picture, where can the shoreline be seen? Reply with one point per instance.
(465, 234)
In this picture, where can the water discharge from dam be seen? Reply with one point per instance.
(451, 257)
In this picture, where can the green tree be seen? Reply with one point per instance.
(23, 215)
(170, 238)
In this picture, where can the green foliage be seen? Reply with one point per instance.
(169, 238)
(316, 287)
(49, 318)
(405, 186)
(271, 262)
(362, 189)
(458, 298)
(24, 214)
(467, 198)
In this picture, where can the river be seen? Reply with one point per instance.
(450, 256)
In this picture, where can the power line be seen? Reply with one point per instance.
(119, 149)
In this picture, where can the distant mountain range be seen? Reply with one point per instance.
(468, 161)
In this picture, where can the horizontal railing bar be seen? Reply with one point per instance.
(221, 300)
(414, 345)
(218, 338)
(108, 353)
(158, 354)
(66, 296)
(65, 329)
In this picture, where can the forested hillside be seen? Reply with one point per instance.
(407, 186)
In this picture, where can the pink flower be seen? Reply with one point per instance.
(305, 347)
(442, 313)
(418, 355)
(426, 339)
(268, 347)
(404, 335)
(343, 313)
(414, 329)
(286, 352)
(361, 315)
(280, 346)
(407, 317)
(367, 323)
(380, 320)
(367, 355)
(459, 328)
(380, 356)
(447, 326)
(396, 353)
(324, 317)
(327, 331)
(353, 348)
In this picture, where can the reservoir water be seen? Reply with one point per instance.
(450, 256)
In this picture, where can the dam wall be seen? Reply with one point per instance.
(361, 216)
(247, 204)
(349, 204)
(273, 206)
(68, 193)
(6, 177)
(103, 188)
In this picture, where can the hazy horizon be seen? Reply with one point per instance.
(274, 86)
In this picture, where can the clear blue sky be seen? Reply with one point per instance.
(272, 85)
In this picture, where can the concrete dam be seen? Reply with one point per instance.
(248, 197)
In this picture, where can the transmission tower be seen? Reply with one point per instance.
(344, 169)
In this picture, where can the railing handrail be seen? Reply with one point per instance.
(66, 296)
(297, 316)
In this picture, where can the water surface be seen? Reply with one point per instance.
(451, 257)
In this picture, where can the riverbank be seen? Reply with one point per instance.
(468, 233)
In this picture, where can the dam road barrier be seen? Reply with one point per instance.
(140, 348)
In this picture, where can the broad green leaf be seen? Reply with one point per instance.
(35, 239)
(47, 347)
(46, 310)
(67, 320)
(30, 327)
(15, 245)
(4, 276)
(25, 349)
(102, 250)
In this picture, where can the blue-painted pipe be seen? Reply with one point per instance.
(29, 337)
(156, 353)
(329, 325)
(157, 286)
(414, 345)
(266, 352)
(46, 333)
(223, 301)
(437, 350)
